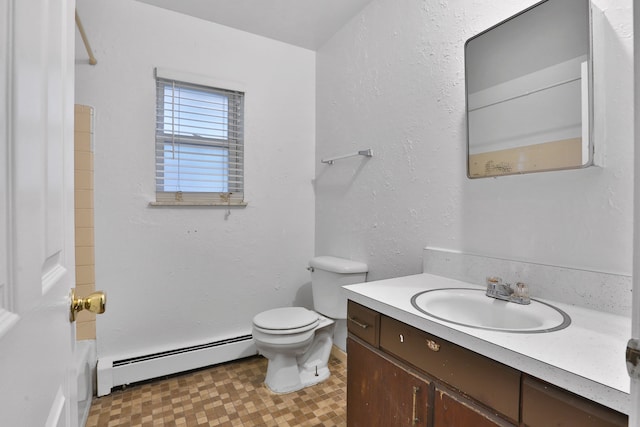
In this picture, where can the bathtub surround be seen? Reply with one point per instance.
(84, 229)
(393, 79)
(182, 277)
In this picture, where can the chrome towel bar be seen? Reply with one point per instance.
(367, 153)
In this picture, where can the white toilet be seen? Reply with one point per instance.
(297, 341)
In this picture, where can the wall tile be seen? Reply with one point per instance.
(85, 316)
(84, 218)
(84, 199)
(83, 115)
(83, 180)
(85, 255)
(85, 274)
(82, 290)
(86, 330)
(84, 236)
(83, 160)
(82, 142)
(84, 223)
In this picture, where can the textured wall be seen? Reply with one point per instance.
(179, 276)
(393, 80)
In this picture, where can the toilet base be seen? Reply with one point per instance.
(289, 371)
(314, 376)
(287, 377)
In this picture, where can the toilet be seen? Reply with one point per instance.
(297, 341)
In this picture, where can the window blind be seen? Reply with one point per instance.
(199, 143)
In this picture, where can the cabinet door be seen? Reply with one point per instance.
(382, 393)
(544, 405)
(452, 410)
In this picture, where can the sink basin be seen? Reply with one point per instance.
(472, 308)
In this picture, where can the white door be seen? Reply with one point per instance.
(634, 420)
(37, 387)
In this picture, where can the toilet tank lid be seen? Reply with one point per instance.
(338, 265)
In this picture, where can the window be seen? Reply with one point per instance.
(199, 143)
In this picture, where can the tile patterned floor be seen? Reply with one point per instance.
(231, 394)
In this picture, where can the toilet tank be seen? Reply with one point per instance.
(328, 275)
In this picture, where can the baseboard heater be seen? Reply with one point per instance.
(112, 373)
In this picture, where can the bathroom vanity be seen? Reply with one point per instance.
(407, 369)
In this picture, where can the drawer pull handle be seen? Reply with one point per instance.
(433, 346)
(357, 322)
(414, 418)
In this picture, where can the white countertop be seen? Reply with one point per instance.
(586, 358)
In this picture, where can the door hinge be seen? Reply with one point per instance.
(633, 358)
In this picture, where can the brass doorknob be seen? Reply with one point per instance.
(95, 303)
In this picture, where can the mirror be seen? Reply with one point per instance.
(528, 89)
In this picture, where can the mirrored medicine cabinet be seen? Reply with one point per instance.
(529, 92)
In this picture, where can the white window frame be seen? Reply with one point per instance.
(168, 190)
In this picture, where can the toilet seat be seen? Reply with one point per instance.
(286, 320)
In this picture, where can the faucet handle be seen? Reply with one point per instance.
(521, 294)
(493, 281)
(521, 290)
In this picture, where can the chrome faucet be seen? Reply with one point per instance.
(497, 289)
(503, 291)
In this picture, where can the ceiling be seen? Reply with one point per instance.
(305, 23)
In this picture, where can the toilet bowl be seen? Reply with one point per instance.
(297, 341)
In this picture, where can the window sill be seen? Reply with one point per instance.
(199, 203)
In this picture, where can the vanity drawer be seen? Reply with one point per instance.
(485, 380)
(546, 405)
(363, 323)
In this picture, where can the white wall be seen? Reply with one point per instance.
(178, 276)
(393, 80)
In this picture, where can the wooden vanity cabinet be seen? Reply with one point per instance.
(398, 375)
(382, 393)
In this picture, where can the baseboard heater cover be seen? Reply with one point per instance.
(113, 373)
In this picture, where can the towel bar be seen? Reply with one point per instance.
(367, 153)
